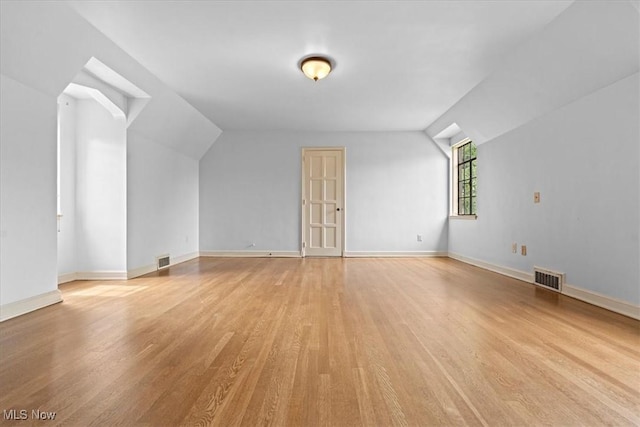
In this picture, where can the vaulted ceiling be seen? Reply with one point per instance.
(399, 64)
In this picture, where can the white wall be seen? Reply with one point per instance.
(396, 188)
(583, 159)
(162, 203)
(36, 66)
(27, 192)
(570, 93)
(67, 224)
(161, 196)
(101, 189)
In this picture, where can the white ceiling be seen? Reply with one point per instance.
(399, 64)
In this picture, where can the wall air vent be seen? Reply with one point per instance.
(163, 261)
(548, 279)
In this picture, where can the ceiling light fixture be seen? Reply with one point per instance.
(316, 67)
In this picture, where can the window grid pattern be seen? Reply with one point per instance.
(467, 179)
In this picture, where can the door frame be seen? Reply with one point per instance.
(343, 210)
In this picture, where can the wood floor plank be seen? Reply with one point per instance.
(241, 341)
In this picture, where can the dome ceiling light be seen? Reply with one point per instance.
(316, 67)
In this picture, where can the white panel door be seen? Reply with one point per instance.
(322, 202)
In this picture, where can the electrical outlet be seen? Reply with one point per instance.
(536, 197)
(514, 248)
(419, 237)
(523, 250)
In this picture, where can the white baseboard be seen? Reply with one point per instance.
(121, 275)
(27, 305)
(67, 277)
(394, 254)
(594, 298)
(92, 275)
(101, 275)
(141, 271)
(505, 271)
(612, 304)
(184, 258)
(295, 254)
(251, 254)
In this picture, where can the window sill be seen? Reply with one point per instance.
(465, 217)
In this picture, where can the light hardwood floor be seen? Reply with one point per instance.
(321, 342)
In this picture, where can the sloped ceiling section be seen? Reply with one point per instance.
(82, 92)
(45, 44)
(398, 64)
(84, 79)
(590, 45)
(137, 99)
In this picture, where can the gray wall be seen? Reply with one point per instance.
(583, 159)
(396, 188)
(27, 192)
(67, 244)
(101, 189)
(162, 203)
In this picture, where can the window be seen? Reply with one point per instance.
(465, 178)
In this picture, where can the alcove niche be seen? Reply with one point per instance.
(94, 112)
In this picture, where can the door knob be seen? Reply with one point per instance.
(338, 209)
